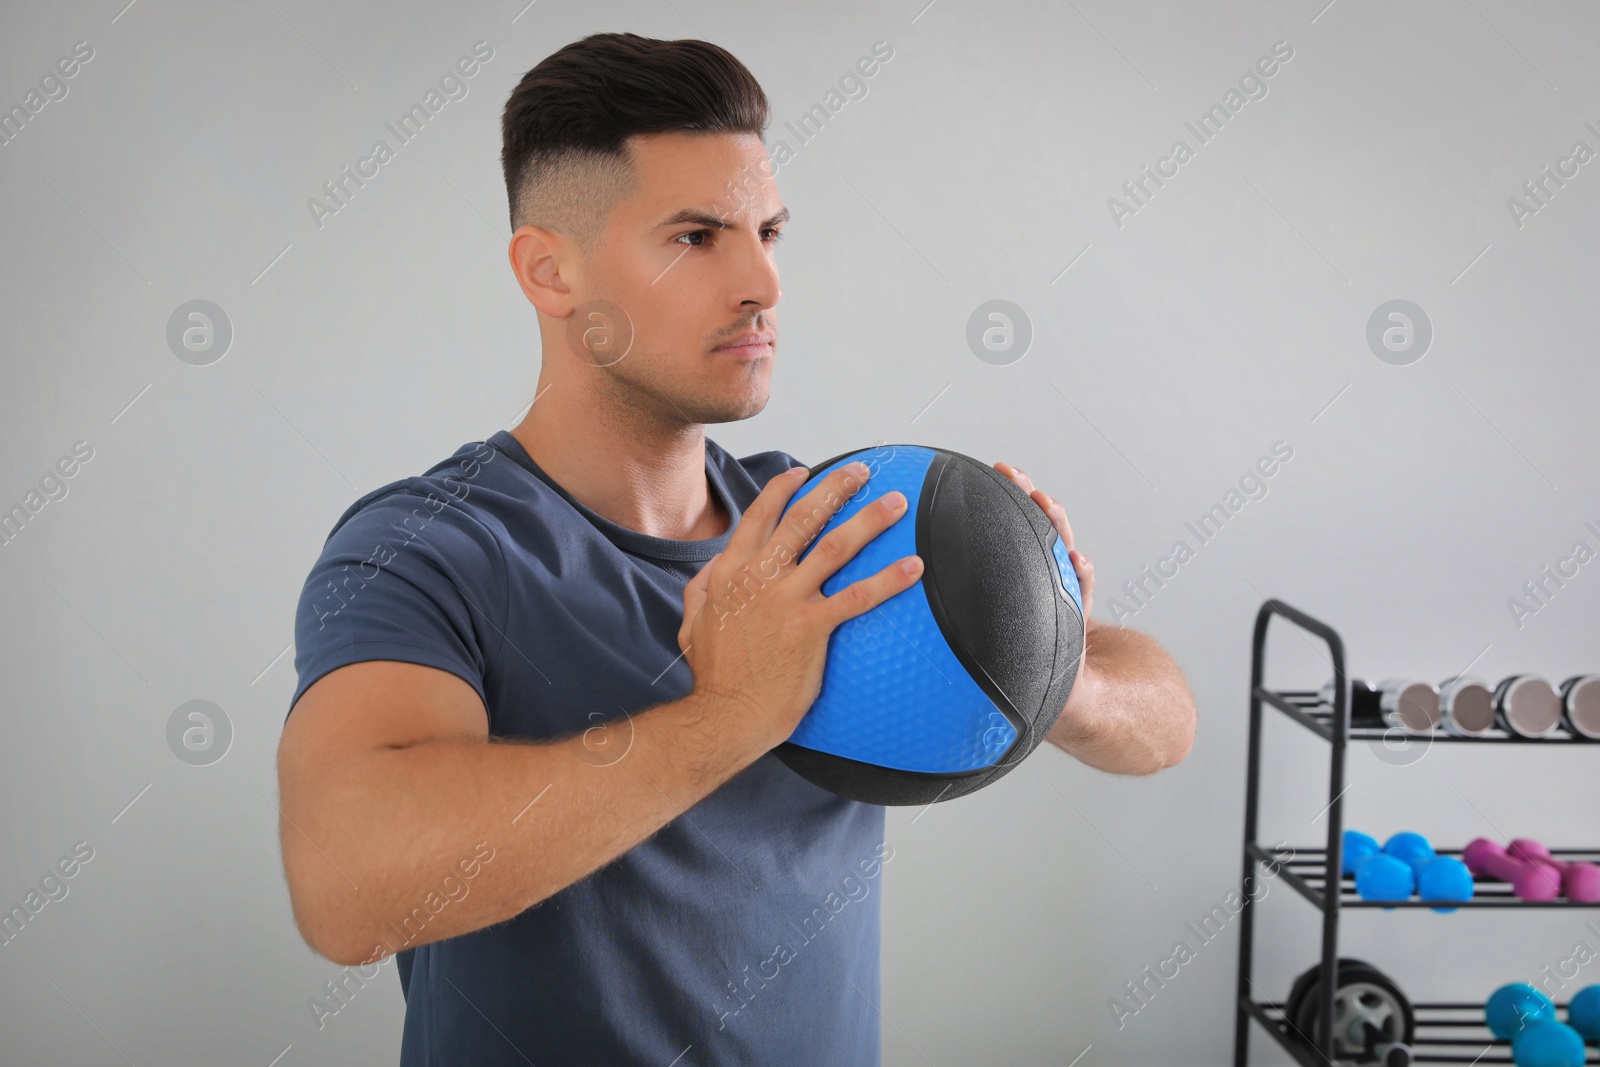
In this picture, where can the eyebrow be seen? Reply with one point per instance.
(700, 218)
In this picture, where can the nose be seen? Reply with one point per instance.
(754, 285)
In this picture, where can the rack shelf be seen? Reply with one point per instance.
(1306, 873)
(1309, 710)
(1446, 1032)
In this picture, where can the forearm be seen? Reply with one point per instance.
(401, 834)
(1131, 711)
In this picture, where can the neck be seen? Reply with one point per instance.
(633, 467)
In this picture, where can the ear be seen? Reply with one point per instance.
(543, 262)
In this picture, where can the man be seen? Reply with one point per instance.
(530, 750)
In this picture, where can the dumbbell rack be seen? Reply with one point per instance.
(1447, 1032)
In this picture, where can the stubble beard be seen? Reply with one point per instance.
(637, 390)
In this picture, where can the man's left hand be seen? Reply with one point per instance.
(1130, 710)
(1058, 518)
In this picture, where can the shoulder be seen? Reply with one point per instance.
(438, 516)
(414, 509)
(413, 570)
(454, 477)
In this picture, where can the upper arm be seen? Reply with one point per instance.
(365, 708)
(331, 749)
(397, 624)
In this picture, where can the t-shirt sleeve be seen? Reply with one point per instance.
(409, 576)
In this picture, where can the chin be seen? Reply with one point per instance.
(733, 410)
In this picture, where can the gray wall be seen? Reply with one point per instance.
(1171, 348)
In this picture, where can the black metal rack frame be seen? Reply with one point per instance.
(1464, 1038)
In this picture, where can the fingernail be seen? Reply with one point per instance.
(911, 566)
(858, 468)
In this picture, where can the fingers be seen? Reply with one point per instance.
(1058, 518)
(759, 551)
(1015, 475)
(1085, 570)
(806, 519)
(1051, 506)
(755, 535)
(1058, 514)
(694, 598)
(840, 544)
(860, 597)
(756, 524)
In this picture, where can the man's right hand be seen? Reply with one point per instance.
(756, 623)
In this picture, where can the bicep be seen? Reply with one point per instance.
(335, 790)
(367, 707)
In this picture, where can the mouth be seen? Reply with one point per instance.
(749, 345)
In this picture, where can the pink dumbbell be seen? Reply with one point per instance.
(1529, 881)
(1579, 881)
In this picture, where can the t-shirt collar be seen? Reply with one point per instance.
(632, 541)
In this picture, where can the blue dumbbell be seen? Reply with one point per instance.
(1385, 877)
(1444, 878)
(1515, 1007)
(1412, 848)
(1379, 875)
(1355, 848)
(1583, 1013)
(1548, 1044)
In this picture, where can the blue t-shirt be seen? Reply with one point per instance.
(745, 931)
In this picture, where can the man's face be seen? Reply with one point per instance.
(688, 258)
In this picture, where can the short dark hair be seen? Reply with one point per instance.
(578, 107)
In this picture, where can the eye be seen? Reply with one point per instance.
(693, 233)
(772, 234)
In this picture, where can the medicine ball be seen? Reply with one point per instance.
(949, 684)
